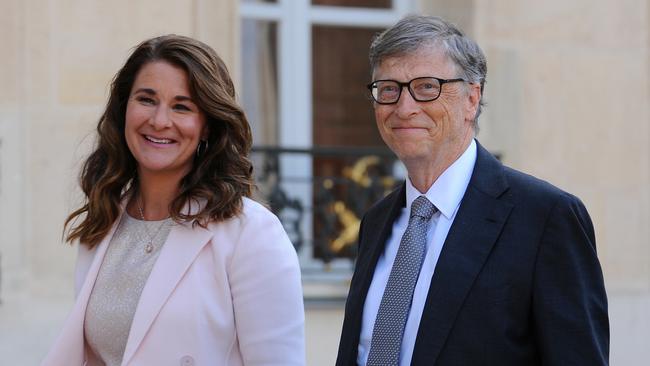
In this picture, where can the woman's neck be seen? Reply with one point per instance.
(153, 197)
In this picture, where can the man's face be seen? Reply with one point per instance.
(426, 132)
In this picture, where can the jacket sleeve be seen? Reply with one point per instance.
(85, 258)
(264, 276)
(569, 299)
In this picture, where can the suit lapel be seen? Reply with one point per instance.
(376, 236)
(181, 248)
(376, 228)
(471, 237)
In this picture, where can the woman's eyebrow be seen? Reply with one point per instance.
(180, 98)
(146, 91)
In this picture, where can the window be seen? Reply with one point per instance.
(304, 68)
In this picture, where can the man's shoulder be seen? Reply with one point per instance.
(499, 180)
(524, 186)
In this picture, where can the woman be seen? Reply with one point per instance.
(177, 266)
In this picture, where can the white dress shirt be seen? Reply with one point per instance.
(445, 193)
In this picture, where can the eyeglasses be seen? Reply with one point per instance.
(424, 89)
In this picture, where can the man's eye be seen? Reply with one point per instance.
(426, 86)
(388, 89)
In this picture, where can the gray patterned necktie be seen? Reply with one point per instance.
(396, 301)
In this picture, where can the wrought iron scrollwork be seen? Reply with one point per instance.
(345, 183)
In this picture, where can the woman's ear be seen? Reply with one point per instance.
(205, 133)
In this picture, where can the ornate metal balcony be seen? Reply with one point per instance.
(320, 195)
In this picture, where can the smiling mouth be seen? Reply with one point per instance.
(408, 128)
(158, 141)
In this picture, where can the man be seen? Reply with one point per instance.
(469, 262)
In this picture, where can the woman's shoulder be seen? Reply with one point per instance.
(255, 211)
(251, 205)
(253, 215)
(256, 230)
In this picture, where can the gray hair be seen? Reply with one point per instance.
(413, 32)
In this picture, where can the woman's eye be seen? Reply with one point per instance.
(182, 107)
(145, 100)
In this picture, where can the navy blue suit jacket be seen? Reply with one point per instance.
(518, 281)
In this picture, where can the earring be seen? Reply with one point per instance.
(202, 147)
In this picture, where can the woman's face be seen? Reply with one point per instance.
(163, 124)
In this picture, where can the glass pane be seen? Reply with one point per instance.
(343, 114)
(382, 4)
(259, 1)
(259, 94)
(345, 185)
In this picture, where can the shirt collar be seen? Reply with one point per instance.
(448, 190)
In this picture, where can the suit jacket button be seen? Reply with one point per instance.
(187, 361)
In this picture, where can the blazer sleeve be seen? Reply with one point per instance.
(569, 300)
(264, 276)
(85, 258)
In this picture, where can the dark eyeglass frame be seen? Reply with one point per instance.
(373, 85)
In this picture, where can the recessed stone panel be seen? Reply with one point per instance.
(93, 39)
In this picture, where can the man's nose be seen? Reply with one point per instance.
(406, 105)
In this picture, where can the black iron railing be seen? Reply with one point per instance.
(321, 193)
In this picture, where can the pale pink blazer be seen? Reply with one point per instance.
(226, 295)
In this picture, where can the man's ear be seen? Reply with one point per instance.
(473, 100)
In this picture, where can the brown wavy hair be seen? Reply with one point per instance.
(221, 176)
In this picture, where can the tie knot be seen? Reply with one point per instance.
(423, 208)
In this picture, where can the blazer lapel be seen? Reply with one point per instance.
(181, 248)
(93, 271)
(471, 237)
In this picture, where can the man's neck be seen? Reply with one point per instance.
(424, 173)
